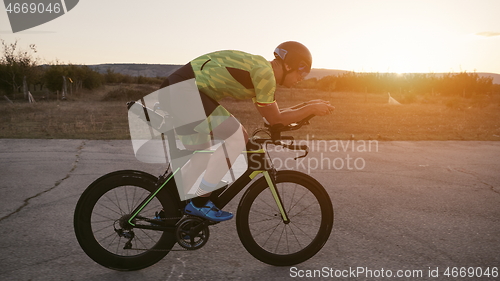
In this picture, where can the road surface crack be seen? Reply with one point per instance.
(492, 187)
(56, 184)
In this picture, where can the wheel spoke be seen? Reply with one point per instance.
(114, 202)
(291, 200)
(261, 199)
(271, 235)
(299, 200)
(296, 239)
(126, 200)
(101, 229)
(118, 202)
(279, 240)
(106, 217)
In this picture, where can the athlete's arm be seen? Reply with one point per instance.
(300, 105)
(273, 114)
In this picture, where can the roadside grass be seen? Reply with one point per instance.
(102, 114)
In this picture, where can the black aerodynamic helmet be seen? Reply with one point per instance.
(295, 55)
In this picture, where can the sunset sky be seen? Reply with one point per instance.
(370, 36)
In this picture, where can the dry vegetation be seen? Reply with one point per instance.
(102, 114)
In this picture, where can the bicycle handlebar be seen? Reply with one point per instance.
(277, 129)
(276, 138)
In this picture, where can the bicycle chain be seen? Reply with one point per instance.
(159, 250)
(173, 218)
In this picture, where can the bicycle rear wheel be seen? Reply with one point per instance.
(105, 205)
(261, 228)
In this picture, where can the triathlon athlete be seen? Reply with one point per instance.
(242, 76)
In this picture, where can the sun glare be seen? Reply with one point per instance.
(402, 44)
(400, 51)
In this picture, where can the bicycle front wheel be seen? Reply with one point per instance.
(106, 204)
(261, 228)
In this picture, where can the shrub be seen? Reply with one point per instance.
(129, 93)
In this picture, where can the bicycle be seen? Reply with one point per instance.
(283, 218)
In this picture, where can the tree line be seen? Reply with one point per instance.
(21, 68)
(450, 84)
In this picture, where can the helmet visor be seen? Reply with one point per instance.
(281, 53)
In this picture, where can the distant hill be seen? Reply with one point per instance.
(319, 73)
(163, 70)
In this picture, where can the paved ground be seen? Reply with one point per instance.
(400, 208)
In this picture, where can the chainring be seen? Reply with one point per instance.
(189, 240)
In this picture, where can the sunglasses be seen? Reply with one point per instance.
(303, 69)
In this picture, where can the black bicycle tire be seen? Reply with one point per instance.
(83, 228)
(245, 233)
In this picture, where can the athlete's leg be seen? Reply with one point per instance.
(193, 169)
(235, 138)
(225, 155)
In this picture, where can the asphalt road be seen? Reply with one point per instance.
(401, 208)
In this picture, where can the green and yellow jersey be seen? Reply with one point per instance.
(235, 74)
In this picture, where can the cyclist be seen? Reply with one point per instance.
(242, 76)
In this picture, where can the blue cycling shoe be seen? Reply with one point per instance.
(209, 212)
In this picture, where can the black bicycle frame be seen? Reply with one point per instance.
(258, 163)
